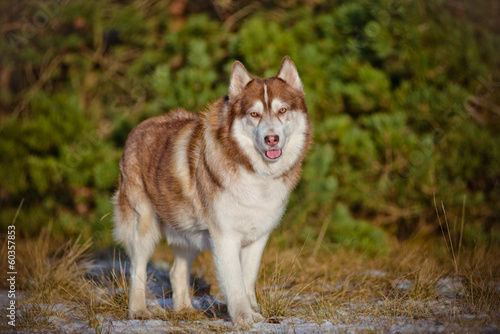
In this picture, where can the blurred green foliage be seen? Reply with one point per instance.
(402, 96)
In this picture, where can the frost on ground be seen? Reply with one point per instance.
(310, 312)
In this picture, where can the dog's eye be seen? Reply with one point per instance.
(254, 114)
(282, 110)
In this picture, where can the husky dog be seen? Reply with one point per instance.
(215, 181)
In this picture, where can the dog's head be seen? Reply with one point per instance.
(270, 124)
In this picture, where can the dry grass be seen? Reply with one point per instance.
(480, 274)
(110, 293)
(410, 293)
(278, 290)
(48, 274)
(342, 287)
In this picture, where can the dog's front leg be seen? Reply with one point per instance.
(250, 262)
(226, 249)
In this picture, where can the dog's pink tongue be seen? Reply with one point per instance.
(273, 154)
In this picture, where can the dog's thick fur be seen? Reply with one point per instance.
(217, 181)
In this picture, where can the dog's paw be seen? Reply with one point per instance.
(140, 314)
(184, 308)
(248, 319)
(256, 308)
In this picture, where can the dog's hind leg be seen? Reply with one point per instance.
(136, 227)
(180, 274)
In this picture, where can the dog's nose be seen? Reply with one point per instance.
(272, 140)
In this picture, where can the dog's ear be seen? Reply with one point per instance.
(239, 79)
(288, 73)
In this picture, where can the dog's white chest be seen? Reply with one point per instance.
(251, 207)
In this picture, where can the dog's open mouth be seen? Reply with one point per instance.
(273, 154)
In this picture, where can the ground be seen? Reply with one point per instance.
(359, 300)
